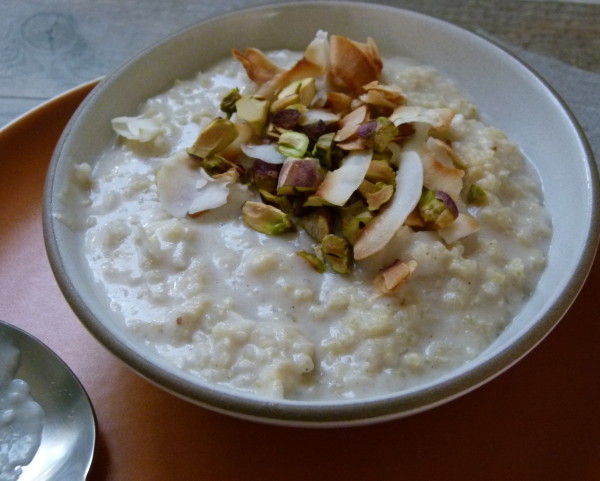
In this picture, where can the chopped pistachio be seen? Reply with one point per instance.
(354, 218)
(315, 130)
(284, 103)
(214, 164)
(434, 211)
(385, 133)
(323, 148)
(266, 218)
(282, 202)
(299, 175)
(314, 201)
(317, 223)
(286, 118)
(381, 171)
(312, 260)
(290, 89)
(476, 195)
(214, 138)
(293, 144)
(307, 91)
(228, 102)
(265, 175)
(380, 194)
(337, 253)
(253, 110)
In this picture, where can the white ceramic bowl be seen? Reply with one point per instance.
(509, 95)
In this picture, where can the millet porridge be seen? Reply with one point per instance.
(375, 258)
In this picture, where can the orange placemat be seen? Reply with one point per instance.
(540, 420)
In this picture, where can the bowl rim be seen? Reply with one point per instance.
(320, 413)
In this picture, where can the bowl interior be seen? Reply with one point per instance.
(509, 96)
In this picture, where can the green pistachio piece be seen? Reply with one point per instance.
(380, 194)
(437, 209)
(290, 89)
(381, 171)
(293, 144)
(317, 223)
(214, 138)
(316, 263)
(385, 133)
(299, 176)
(253, 110)
(282, 202)
(476, 195)
(337, 253)
(354, 217)
(323, 149)
(430, 208)
(214, 164)
(266, 218)
(228, 102)
(307, 91)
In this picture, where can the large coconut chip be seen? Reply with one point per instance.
(438, 175)
(409, 184)
(463, 226)
(353, 64)
(257, 65)
(340, 184)
(183, 189)
(439, 119)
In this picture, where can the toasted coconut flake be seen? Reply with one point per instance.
(317, 51)
(378, 232)
(265, 152)
(349, 123)
(415, 220)
(391, 93)
(234, 149)
(312, 116)
(355, 143)
(143, 129)
(303, 69)
(393, 278)
(340, 184)
(353, 64)
(463, 226)
(383, 96)
(439, 176)
(183, 189)
(376, 99)
(445, 153)
(338, 102)
(257, 65)
(439, 119)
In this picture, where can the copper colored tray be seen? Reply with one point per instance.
(538, 421)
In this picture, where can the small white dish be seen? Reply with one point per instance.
(510, 96)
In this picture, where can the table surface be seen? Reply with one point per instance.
(538, 421)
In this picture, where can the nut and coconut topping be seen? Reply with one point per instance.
(330, 149)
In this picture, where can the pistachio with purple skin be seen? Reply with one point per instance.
(448, 202)
(286, 118)
(368, 129)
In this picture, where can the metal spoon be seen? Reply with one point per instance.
(69, 428)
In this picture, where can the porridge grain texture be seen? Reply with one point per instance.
(240, 309)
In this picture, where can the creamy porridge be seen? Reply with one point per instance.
(376, 258)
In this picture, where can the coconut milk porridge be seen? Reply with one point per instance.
(384, 237)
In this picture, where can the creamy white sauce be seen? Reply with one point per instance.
(240, 309)
(21, 418)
